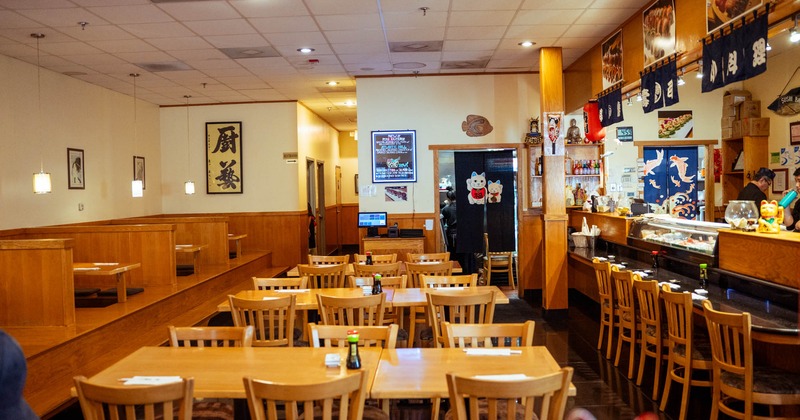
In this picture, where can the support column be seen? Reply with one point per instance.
(554, 210)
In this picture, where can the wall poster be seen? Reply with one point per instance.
(611, 66)
(75, 169)
(224, 158)
(720, 12)
(394, 156)
(658, 31)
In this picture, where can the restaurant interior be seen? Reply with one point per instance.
(600, 239)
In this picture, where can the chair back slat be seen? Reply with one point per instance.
(265, 283)
(731, 345)
(428, 257)
(376, 258)
(470, 308)
(328, 259)
(415, 270)
(488, 335)
(323, 276)
(168, 401)
(433, 282)
(360, 310)
(211, 336)
(385, 269)
(369, 336)
(272, 319)
(488, 399)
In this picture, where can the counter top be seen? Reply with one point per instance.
(767, 317)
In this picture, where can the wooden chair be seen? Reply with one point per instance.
(435, 282)
(735, 376)
(261, 283)
(689, 353)
(328, 259)
(211, 336)
(608, 310)
(472, 308)
(623, 284)
(654, 338)
(377, 259)
(417, 315)
(498, 262)
(384, 336)
(272, 319)
(269, 400)
(387, 269)
(352, 311)
(428, 257)
(488, 335)
(323, 276)
(168, 401)
(494, 399)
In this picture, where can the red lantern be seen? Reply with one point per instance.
(591, 122)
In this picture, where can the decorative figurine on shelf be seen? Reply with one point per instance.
(573, 133)
(534, 136)
(569, 196)
(580, 195)
(771, 217)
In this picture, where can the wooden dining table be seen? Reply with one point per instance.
(350, 271)
(115, 269)
(218, 371)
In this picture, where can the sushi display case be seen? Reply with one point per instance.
(696, 237)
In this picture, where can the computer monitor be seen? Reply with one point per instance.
(372, 221)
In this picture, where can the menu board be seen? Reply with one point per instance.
(394, 156)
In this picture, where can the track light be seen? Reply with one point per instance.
(699, 74)
(628, 95)
(681, 82)
(639, 97)
(795, 36)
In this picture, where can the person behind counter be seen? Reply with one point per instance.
(756, 190)
(792, 218)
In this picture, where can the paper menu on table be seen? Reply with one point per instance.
(490, 352)
(152, 380)
(507, 377)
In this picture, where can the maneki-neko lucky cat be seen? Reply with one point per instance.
(771, 217)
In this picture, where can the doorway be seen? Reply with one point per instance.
(321, 219)
(315, 195)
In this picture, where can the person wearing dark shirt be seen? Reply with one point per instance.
(756, 190)
(13, 371)
(449, 218)
(792, 218)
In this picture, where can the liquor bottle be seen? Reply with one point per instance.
(597, 167)
(369, 258)
(376, 284)
(353, 359)
(703, 276)
(567, 164)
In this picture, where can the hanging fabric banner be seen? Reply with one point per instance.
(500, 205)
(670, 179)
(611, 107)
(733, 56)
(648, 89)
(713, 65)
(669, 82)
(602, 105)
(755, 40)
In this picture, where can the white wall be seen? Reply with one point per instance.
(348, 160)
(435, 107)
(318, 141)
(269, 184)
(78, 115)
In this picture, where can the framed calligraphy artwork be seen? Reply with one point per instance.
(224, 158)
(75, 169)
(138, 170)
(394, 156)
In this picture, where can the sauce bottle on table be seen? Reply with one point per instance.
(369, 258)
(376, 285)
(353, 359)
(703, 276)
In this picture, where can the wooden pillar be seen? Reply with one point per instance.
(554, 211)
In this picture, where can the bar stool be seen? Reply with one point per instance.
(627, 331)
(608, 310)
(688, 352)
(735, 376)
(654, 338)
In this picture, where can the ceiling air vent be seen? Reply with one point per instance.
(419, 46)
(464, 64)
(167, 66)
(250, 52)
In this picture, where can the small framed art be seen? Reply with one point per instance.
(76, 171)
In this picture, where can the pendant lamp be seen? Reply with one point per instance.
(137, 185)
(188, 186)
(41, 180)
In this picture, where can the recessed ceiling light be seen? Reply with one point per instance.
(306, 50)
(332, 83)
(527, 44)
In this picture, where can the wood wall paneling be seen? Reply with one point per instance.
(211, 231)
(530, 258)
(285, 234)
(349, 224)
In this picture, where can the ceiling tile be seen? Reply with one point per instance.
(204, 65)
(96, 32)
(604, 16)
(179, 43)
(200, 10)
(536, 31)
(546, 17)
(487, 5)
(466, 32)
(284, 24)
(338, 7)
(589, 31)
(234, 41)
(561, 4)
(349, 22)
(119, 46)
(146, 57)
(62, 17)
(157, 30)
(296, 39)
(145, 13)
(476, 18)
(414, 19)
(203, 54)
(467, 45)
(221, 27)
(415, 34)
(68, 48)
(272, 8)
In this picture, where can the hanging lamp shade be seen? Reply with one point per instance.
(41, 183)
(137, 188)
(188, 187)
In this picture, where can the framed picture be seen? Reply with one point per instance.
(224, 158)
(138, 170)
(718, 13)
(738, 164)
(794, 132)
(658, 31)
(781, 181)
(394, 156)
(76, 170)
(611, 64)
